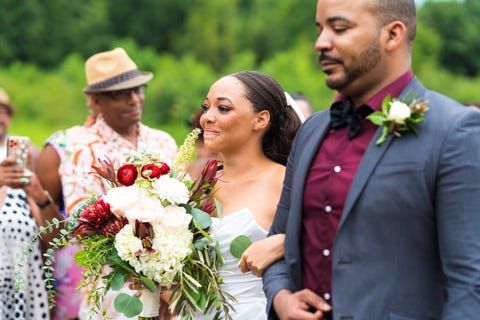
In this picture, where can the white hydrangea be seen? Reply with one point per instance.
(171, 190)
(171, 249)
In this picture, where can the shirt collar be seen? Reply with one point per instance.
(393, 89)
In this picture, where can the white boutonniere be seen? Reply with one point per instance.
(397, 116)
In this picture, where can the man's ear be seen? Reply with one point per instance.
(396, 32)
(262, 120)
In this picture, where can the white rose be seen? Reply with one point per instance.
(146, 209)
(121, 199)
(399, 111)
(175, 218)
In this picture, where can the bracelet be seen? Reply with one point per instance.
(46, 203)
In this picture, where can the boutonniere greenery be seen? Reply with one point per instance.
(397, 116)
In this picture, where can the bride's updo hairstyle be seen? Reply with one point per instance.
(265, 93)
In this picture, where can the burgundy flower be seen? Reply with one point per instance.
(164, 168)
(114, 226)
(144, 231)
(106, 170)
(96, 214)
(207, 205)
(127, 174)
(150, 171)
(84, 230)
(209, 172)
(203, 185)
(92, 218)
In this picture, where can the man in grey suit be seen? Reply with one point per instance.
(378, 231)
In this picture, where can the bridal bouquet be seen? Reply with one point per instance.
(151, 231)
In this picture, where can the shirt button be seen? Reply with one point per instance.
(326, 252)
(337, 169)
(326, 296)
(328, 209)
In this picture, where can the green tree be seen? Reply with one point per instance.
(209, 32)
(457, 24)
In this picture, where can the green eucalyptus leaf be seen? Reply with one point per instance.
(201, 244)
(129, 305)
(202, 218)
(239, 245)
(219, 208)
(117, 281)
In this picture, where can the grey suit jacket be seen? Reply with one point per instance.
(408, 243)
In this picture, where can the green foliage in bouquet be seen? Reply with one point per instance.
(167, 216)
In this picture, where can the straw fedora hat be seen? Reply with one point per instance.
(5, 102)
(113, 70)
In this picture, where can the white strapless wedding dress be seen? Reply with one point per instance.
(245, 287)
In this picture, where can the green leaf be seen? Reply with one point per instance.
(377, 118)
(80, 257)
(149, 283)
(382, 137)
(218, 252)
(200, 244)
(239, 245)
(219, 208)
(129, 305)
(386, 105)
(203, 219)
(117, 281)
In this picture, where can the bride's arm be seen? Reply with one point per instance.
(261, 254)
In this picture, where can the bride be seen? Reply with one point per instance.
(247, 122)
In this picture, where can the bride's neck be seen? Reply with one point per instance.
(244, 166)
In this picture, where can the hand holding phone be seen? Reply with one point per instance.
(18, 147)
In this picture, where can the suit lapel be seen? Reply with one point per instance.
(370, 159)
(373, 154)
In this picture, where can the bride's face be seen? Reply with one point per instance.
(229, 119)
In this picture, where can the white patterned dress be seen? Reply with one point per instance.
(245, 287)
(17, 225)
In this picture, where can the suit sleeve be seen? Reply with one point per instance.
(276, 277)
(457, 203)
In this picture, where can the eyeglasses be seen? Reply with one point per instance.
(126, 93)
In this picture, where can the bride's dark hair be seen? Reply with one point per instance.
(266, 93)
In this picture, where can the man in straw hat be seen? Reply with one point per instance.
(115, 92)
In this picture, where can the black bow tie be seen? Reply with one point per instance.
(343, 114)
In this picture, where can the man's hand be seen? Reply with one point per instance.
(298, 305)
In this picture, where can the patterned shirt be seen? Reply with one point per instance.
(85, 147)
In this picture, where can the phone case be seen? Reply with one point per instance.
(18, 148)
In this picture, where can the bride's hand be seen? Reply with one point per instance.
(261, 254)
(165, 313)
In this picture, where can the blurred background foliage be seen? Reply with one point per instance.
(188, 44)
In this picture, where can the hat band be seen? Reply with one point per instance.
(122, 77)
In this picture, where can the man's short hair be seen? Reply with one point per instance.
(388, 11)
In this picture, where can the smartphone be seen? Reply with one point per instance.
(18, 147)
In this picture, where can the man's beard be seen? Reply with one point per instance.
(363, 64)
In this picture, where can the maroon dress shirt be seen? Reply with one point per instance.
(327, 184)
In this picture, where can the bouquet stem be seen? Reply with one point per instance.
(151, 304)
